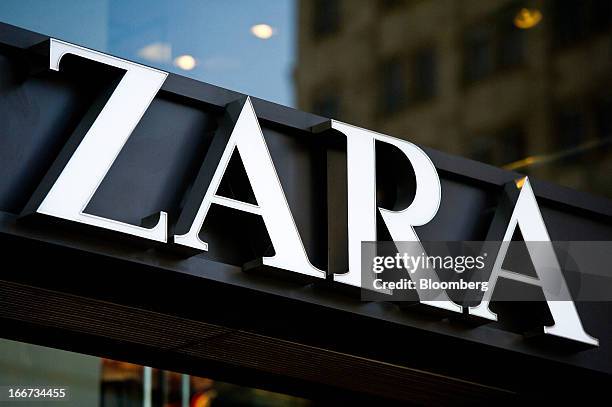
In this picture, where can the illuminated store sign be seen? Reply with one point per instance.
(76, 176)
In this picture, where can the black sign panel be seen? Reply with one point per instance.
(90, 289)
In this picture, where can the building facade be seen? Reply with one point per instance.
(524, 85)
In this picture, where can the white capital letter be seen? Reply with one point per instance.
(272, 205)
(361, 186)
(527, 216)
(72, 190)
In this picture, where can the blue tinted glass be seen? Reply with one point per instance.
(220, 42)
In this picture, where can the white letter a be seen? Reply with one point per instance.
(247, 137)
(527, 216)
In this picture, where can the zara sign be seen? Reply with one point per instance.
(72, 182)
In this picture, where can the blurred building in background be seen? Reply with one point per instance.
(521, 84)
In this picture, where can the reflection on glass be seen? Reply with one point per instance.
(517, 83)
(527, 18)
(263, 31)
(185, 62)
(104, 382)
(521, 84)
(212, 41)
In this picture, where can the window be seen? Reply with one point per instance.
(483, 149)
(571, 128)
(408, 80)
(501, 147)
(389, 4)
(478, 53)
(575, 20)
(512, 143)
(583, 128)
(393, 86)
(511, 43)
(493, 45)
(326, 17)
(603, 119)
(600, 16)
(569, 21)
(327, 105)
(424, 74)
(99, 382)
